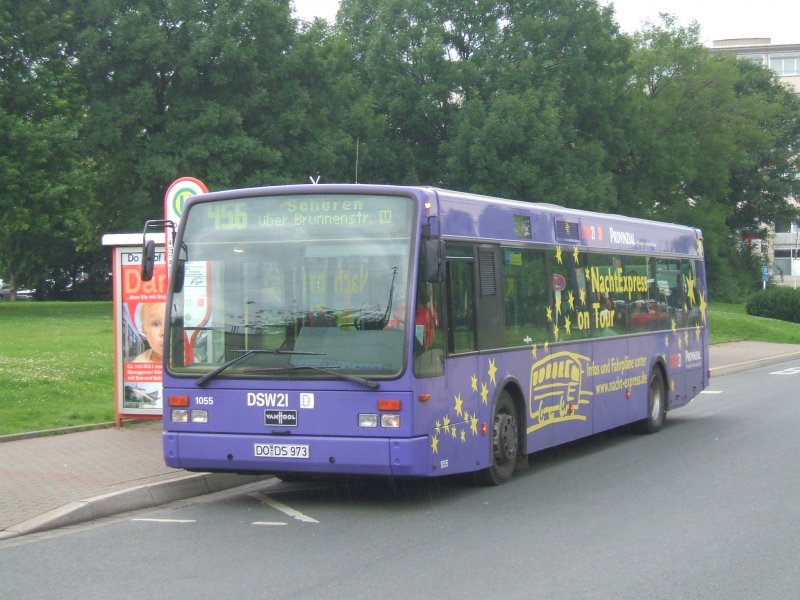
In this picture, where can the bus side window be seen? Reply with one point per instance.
(461, 306)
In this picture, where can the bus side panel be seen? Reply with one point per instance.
(455, 418)
(559, 396)
(613, 371)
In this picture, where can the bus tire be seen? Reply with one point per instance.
(505, 442)
(656, 404)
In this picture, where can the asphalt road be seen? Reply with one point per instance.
(707, 508)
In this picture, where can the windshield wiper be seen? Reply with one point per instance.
(201, 381)
(367, 383)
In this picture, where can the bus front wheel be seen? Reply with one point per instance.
(656, 404)
(505, 442)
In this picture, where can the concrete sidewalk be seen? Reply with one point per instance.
(57, 480)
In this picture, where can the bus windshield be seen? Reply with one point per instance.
(292, 286)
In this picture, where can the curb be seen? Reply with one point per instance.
(752, 364)
(150, 495)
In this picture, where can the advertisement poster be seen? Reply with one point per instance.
(142, 304)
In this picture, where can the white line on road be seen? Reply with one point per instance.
(268, 523)
(789, 371)
(166, 520)
(287, 510)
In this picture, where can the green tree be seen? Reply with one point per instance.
(711, 145)
(543, 118)
(45, 181)
(401, 50)
(182, 87)
(764, 181)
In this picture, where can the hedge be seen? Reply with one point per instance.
(775, 303)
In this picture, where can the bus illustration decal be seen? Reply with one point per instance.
(556, 392)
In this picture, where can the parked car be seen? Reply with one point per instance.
(5, 294)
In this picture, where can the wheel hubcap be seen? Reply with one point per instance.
(505, 438)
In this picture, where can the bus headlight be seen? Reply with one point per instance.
(367, 420)
(180, 415)
(199, 416)
(390, 420)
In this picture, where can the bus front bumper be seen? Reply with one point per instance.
(405, 457)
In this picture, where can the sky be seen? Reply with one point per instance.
(718, 19)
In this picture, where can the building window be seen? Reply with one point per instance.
(785, 63)
(759, 59)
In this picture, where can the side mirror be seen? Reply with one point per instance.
(148, 260)
(434, 260)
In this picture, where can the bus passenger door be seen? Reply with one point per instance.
(475, 299)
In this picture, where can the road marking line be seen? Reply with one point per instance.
(789, 371)
(711, 392)
(287, 510)
(166, 520)
(268, 523)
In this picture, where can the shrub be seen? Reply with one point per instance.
(775, 303)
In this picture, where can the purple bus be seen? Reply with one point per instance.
(417, 332)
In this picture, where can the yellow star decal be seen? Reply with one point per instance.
(492, 371)
(583, 296)
(686, 337)
(473, 425)
(702, 306)
(474, 383)
(697, 332)
(571, 300)
(558, 255)
(690, 289)
(567, 326)
(576, 255)
(484, 393)
(555, 332)
(547, 346)
(459, 403)
(435, 444)
(550, 314)
(438, 426)
(534, 351)
(446, 423)
(674, 326)
(463, 436)
(453, 432)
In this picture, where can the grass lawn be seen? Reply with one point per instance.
(57, 359)
(56, 365)
(730, 323)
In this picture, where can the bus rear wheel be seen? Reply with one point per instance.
(505, 443)
(656, 404)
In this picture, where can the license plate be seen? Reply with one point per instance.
(282, 451)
